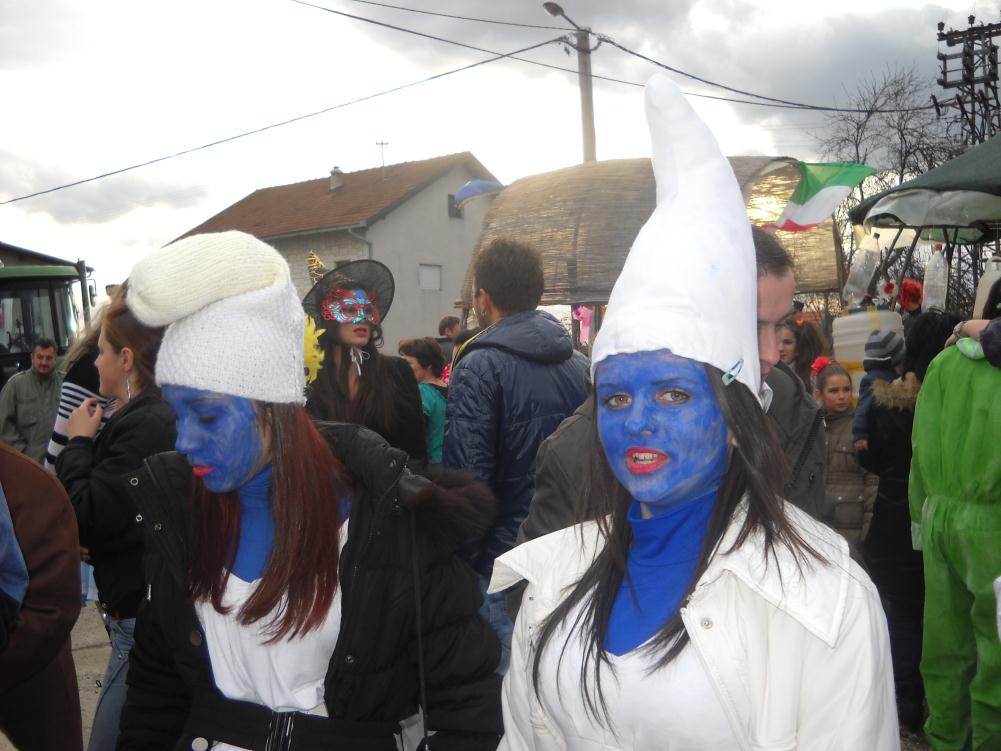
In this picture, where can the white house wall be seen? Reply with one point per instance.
(331, 247)
(420, 231)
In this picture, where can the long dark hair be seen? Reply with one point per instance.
(307, 485)
(330, 398)
(810, 344)
(757, 468)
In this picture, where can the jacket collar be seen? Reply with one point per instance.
(813, 593)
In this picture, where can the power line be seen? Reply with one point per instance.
(461, 18)
(775, 103)
(496, 56)
(785, 102)
(766, 100)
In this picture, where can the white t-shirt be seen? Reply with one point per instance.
(285, 676)
(672, 709)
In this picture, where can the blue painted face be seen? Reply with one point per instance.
(219, 435)
(661, 428)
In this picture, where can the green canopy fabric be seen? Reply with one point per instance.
(963, 195)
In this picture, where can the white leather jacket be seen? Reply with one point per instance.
(797, 652)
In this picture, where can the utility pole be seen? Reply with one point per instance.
(976, 78)
(584, 50)
(382, 148)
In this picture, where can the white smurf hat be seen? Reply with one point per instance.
(234, 320)
(689, 283)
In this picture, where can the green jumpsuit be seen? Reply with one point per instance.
(955, 495)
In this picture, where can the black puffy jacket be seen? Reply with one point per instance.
(91, 471)
(396, 519)
(511, 386)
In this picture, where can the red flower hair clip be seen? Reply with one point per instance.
(819, 364)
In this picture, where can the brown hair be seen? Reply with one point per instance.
(446, 323)
(810, 344)
(308, 483)
(86, 341)
(426, 351)
(829, 371)
(122, 329)
(771, 258)
(511, 273)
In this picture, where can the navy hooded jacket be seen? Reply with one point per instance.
(511, 386)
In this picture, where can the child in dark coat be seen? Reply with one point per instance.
(884, 356)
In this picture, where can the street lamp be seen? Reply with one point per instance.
(583, 47)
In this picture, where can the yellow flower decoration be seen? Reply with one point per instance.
(313, 351)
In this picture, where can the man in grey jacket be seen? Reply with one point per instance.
(561, 464)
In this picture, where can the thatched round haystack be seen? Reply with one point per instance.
(584, 219)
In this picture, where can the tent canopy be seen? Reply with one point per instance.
(963, 195)
(583, 220)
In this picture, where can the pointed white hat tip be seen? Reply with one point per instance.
(689, 283)
(684, 149)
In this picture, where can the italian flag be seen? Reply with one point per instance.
(821, 188)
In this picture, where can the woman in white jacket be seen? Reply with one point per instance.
(699, 611)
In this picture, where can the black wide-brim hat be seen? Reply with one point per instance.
(372, 276)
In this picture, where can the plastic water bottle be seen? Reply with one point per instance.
(936, 281)
(863, 267)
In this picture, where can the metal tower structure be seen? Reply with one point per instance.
(973, 72)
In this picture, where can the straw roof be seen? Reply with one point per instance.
(583, 219)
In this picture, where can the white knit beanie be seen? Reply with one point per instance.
(689, 283)
(234, 320)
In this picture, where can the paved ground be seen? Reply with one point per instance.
(91, 652)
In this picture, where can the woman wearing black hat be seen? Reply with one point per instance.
(351, 381)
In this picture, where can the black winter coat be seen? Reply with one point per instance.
(396, 519)
(405, 429)
(511, 386)
(895, 567)
(799, 425)
(91, 471)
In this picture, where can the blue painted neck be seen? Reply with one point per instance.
(256, 492)
(673, 535)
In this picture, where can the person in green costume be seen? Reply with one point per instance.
(955, 497)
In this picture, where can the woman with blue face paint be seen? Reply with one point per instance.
(302, 588)
(90, 468)
(353, 381)
(698, 610)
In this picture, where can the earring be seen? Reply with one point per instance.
(128, 387)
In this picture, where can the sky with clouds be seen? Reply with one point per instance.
(90, 88)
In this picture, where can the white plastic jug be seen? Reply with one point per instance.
(992, 272)
(863, 267)
(852, 331)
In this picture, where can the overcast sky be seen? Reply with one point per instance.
(89, 88)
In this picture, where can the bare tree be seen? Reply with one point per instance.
(893, 128)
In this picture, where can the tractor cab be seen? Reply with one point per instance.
(36, 302)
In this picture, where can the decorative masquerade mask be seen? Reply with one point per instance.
(350, 306)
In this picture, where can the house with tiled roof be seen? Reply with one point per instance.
(403, 215)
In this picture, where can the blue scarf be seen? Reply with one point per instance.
(661, 564)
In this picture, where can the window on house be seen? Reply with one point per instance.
(429, 277)
(453, 210)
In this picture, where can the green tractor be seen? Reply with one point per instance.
(39, 301)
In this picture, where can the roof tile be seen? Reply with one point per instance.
(310, 206)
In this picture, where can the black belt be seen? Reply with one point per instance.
(247, 725)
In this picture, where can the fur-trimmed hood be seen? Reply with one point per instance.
(899, 394)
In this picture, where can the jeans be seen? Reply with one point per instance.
(104, 732)
(493, 612)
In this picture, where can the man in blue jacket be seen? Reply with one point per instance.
(511, 385)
